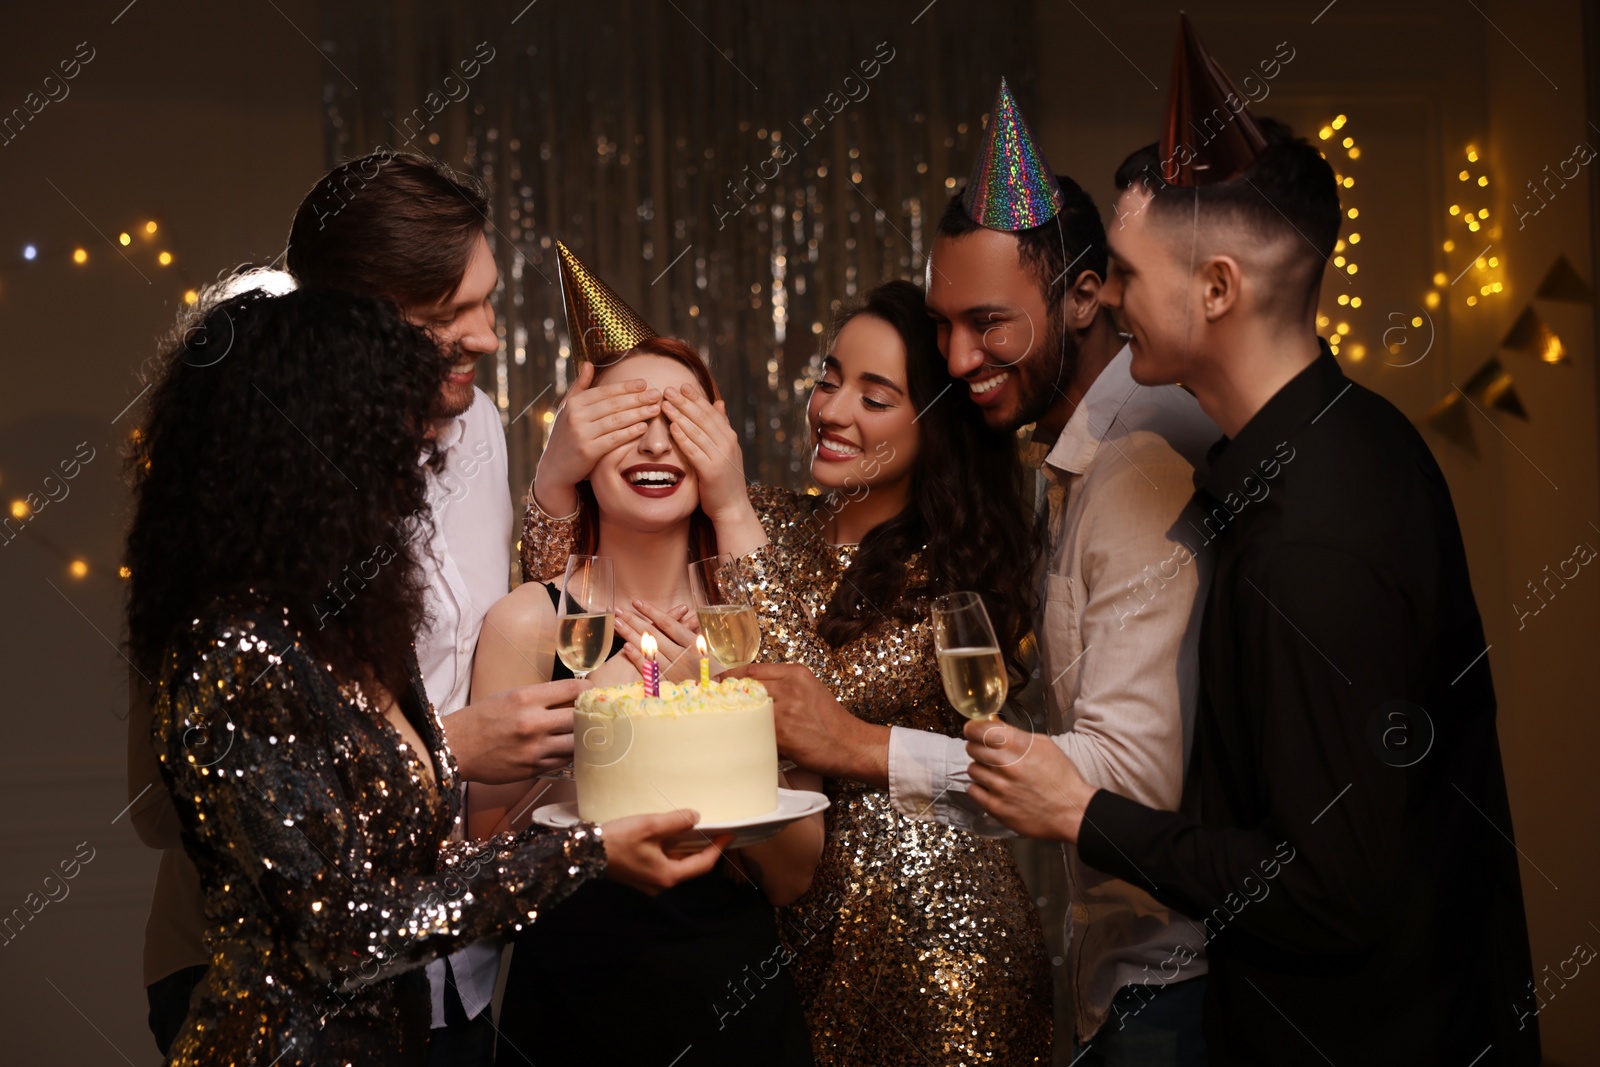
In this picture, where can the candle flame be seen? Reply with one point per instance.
(700, 644)
(647, 644)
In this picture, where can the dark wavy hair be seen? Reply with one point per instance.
(278, 464)
(969, 512)
(702, 534)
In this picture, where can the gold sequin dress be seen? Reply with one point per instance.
(917, 943)
(322, 846)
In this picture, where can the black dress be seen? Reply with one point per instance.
(692, 977)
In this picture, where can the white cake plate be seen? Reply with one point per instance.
(793, 804)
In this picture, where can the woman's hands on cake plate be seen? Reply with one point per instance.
(592, 421)
(637, 856)
(701, 431)
(815, 730)
(674, 630)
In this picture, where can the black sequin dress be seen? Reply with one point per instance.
(694, 977)
(322, 843)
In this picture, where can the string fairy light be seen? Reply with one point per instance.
(1484, 275)
(1344, 250)
(80, 257)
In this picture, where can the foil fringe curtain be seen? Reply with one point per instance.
(733, 193)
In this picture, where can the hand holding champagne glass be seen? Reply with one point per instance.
(970, 663)
(584, 621)
(727, 614)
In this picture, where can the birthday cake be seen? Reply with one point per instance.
(708, 747)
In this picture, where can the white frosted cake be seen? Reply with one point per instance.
(711, 748)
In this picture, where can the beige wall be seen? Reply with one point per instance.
(209, 120)
(1419, 82)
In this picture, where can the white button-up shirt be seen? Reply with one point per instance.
(1119, 631)
(467, 567)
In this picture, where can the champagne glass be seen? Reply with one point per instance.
(584, 622)
(727, 614)
(970, 664)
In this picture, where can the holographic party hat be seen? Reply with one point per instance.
(1012, 188)
(598, 322)
(1205, 140)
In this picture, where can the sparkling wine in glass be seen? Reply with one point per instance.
(584, 622)
(726, 612)
(970, 663)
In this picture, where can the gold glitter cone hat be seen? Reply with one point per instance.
(599, 323)
(1204, 140)
(1012, 188)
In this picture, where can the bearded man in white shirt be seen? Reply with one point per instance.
(406, 228)
(1013, 286)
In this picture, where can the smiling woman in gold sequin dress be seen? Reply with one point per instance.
(917, 943)
(309, 773)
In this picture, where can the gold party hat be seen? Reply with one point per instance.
(598, 321)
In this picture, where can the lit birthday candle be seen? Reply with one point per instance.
(705, 663)
(652, 669)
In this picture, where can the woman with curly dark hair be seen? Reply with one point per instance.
(925, 922)
(280, 512)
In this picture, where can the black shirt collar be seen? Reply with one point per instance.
(1302, 399)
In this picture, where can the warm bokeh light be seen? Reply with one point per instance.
(1432, 300)
(1353, 213)
(124, 239)
(190, 296)
(79, 569)
(124, 572)
(20, 509)
(80, 256)
(165, 259)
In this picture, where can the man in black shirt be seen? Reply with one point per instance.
(1347, 840)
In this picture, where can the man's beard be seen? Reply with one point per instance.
(451, 400)
(1042, 376)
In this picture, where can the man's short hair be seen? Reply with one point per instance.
(390, 224)
(1288, 192)
(1075, 238)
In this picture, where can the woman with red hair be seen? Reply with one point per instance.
(699, 965)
